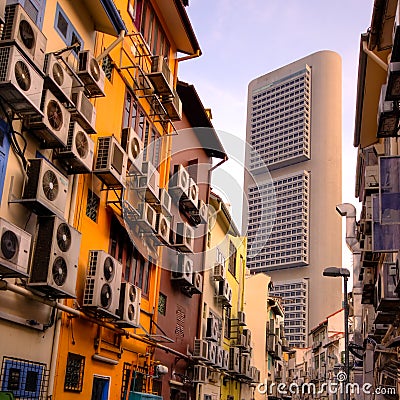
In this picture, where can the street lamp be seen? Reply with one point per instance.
(345, 274)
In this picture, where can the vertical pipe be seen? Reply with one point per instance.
(346, 337)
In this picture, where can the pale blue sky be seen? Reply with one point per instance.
(241, 40)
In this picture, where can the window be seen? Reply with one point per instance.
(35, 9)
(227, 323)
(137, 381)
(100, 388)
(4, 149)
(232, 258)
(74, 373)
(92, 206)
(66, 30)
(108, 66)
(162, 304)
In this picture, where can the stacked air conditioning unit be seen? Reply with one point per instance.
(241, 316)
(202, 212)
(57, 79)
(220, 357)
(219, 271)
(179, 183)
(387, 299)
(20, 84)
(129, 305)
(147, 185)
(191, 202)
(147, 219)
(77, 156)
(45, 191)
(225, 360)
(197, 283)
(200, 350)
(160, 76)
(245, 370)
(234, 360)
(183, 237)
(164, 205)
(15, 246)
(200, 374)
(247, 334)
(19, 29)
(103, 282)
(91, 74)
(52, 127)
(133, 145)
(173, 106)
(224, 293)
(183, 273)
(371, 180)
(212, 353)
(212, 329)
(163, 228)
(54, 264)
(241, 341)
(111, 162)
(83, 112)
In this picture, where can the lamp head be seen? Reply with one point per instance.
(335, 272)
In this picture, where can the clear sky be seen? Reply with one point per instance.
(241, 40)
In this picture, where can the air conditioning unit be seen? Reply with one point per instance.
(183, 273)
(203, 211)
(77, 156)
(164, 206)
(110, 163)
(133, 145)
(197, 283)
(241, 341)
(21, 30)
(214, 377)
(160, 76)
(173, 106)
(52, 127)
(219, 272)
(369, 276)
(244, 365)
(57, 79)
(371, 177)
(200, 350)
(234, 360)
(54, 264)
(247, 334)
(45, 191)
(129, 305)
(241, 316)
(192, 200)
(20, 85)
(220, 357)
(224, 292)
(212, 329)
(386, 297)
(147, 185)
(83, 112)
(103, 282)
(271, 343)
(184, 237)
(163, 228)
(179, 183)
(146, 219)
(15, 245)
(225, 360)
(200, 374)
(91, 74)
(212, 353)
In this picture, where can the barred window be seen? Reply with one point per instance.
(92, 206)
(108, 66)
(73, 381)
(162, 304)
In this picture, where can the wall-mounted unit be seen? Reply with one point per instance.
(54, 264)
(160, 76)
(164, 205)
(77, 156)
(241, 316)
(371, 177)
(225, 360)
(15, 246)
(133, 145)
(110, 163)
(57, 79)
(200, 350)
(183, 272)
(247, 334)
(240, 341)
(212, 352)
(91, 74)
(45, 191)
(234, 360)
(387, 117)
(245, 365)
(83, 111)
(197, 283)
(147, 184)
(219, 359)
(163, 228)
(369, 277)
(129, 305)
(51, 128)
(179, 183)
(224, 293)
(20, 84)
(255, 374)
(203, 211)
(21, 30)
(191, 202)
(219, 271)
(386, 298)
(173, 106)
(183, 237)
(103, 282)
(200, 374)
(212, 329)
(147, 218)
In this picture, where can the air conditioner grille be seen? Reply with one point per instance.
(30, 189)
(4, 59)
(9, 244)
(83, 60)
(81, 144)
(86, 108)
(109, 269)
(50, 185)
(93, 258)
(8, 25)
(89, 291)
(63, 237)
(106, 296)
(22, 75)
(59, 271)
(118, 159)
(26, 33)
(58, 74)
(102, 152)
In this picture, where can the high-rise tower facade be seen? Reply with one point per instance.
(294, 129)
